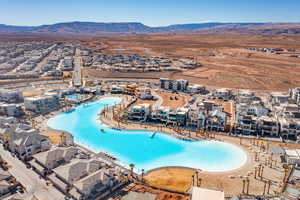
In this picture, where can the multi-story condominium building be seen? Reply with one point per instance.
(248, 111)
(195, 89)
(216, 121)
(295, 95)
(11, 109)
(42, 104)
(246, 125)
(160, 114)
(222, 94)
(7, 120)
(268, 126)
(196, 119)
(174, 85)
(140, 112)
(277, 98)
(177, 117)
(11, 96)
(289, 119)
(290, 128)
(245, 96)
(115, 89)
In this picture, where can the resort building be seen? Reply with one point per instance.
(196, 119)
(222, 94)
(160, 114)
(115, 89)
(174, 85)
(245, 96)
(216, 121)
(177, 117)
(64, 92)
(11, 96)
(247, 114)
(7, 120)
(195, 89)
(140, 112)
(295, 95)
(277, 98)
(15, 110)
(268, 126)
(289, 119)
(292, 156)
(246, 125)
(42, 104)
(289, 128)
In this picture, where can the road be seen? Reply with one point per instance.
(38, 65)
(44, 61)
(30, 180)
(77, 79)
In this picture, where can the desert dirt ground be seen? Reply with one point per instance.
(56, 137)
(160, 194)
(173, 101)
(225, 61)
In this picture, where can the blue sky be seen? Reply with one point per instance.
(149, 12)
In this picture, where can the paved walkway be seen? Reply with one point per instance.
(159, 99)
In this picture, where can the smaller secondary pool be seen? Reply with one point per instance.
(74, 96)
(143, 149)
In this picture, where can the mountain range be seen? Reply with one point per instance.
(92, 28)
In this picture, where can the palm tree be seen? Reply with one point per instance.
(131, 165)
(269, 185)
(193, 180)
(248, 184)
(261, 172)
(286, 168)
(143, 175)
(265, 186)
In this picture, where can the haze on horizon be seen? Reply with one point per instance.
(151, 13)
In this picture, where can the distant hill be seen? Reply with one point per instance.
(264, 29)
(9, 28)
(88, 28)
(200, 26)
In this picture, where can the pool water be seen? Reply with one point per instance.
(139, 148)
(74, 96)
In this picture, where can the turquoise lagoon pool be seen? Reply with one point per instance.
(139, 148)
